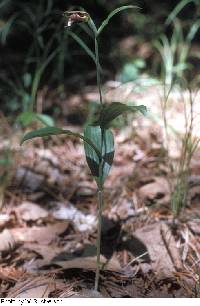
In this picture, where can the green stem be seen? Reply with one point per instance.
(100, 206)
(98, 71)
(100, 190)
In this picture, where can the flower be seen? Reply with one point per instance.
(76, 17)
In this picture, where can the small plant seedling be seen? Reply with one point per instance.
(98, 139)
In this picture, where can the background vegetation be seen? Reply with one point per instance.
(36, 51)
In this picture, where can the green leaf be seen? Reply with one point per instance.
(4, 162)
(45, 119)
(94, 133)
(179, 8)
(113, 110)
(6, 27)
(27, 118)
(113, 13)
(50, 131)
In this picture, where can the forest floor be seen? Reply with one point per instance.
(48, 224)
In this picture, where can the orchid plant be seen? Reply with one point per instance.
(98, 139)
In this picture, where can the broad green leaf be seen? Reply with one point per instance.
(94, 133)
(113, 13)
(27, 118)
(50, 131)
(113, 110)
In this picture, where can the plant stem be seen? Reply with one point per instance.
(100, 206)
(100, 189)
(98, 71)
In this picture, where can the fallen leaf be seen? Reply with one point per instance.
(7, 241)
(161, 262)
(86, 293)
(28, 180)
(89, 263)
(195, 226)
(29, 211)
(48, 252)
(155, 191)
(42, 235)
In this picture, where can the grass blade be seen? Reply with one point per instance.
(177, 10)
(113, 13)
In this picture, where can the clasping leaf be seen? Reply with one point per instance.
(94, 133)
(113, 110)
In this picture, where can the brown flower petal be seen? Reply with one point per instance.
(76, 17)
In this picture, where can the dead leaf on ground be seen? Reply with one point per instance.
(155, 191)
(195, 226)
(28, 180)
(48, 252)
(161, 262)
(89, 263)
(86, 293)
(29, 211)
(7, 241)
(38, 287)
(42, 235)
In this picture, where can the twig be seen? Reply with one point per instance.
(135, 259)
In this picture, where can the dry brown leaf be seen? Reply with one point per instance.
(42, 235)
(89, 263)
(28, 179)
(7, 241)
(159, 189)
(48, 252)
(195, 226)
(29, 211)
(86, 293)
(39, 287)
(161, 262)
